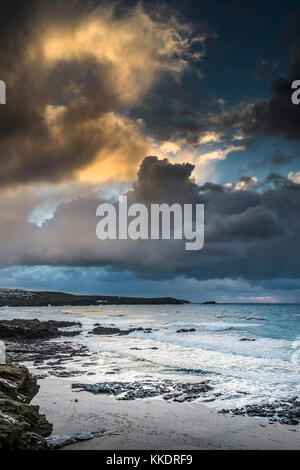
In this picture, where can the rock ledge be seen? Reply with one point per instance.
(21, 425)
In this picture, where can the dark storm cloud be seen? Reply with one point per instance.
(248, 233)
(73, 73)
(190, 116)
(276, 159)
(177, 110)
(163, 181)
(277, 116)
(28, 150)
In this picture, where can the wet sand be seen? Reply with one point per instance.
(155, 424)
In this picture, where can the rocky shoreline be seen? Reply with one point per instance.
(29, 341)
(37, 343)
(22, 426)
(167, 389)
(285, 412)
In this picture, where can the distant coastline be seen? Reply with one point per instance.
(23, 298)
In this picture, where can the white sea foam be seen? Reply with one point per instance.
(262, 368)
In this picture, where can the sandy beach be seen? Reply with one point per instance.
(155, 424)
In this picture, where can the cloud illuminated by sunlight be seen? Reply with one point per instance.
(115, 42)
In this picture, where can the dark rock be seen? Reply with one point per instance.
(168, 389)
(57, 442)
(285, 411)
(47, 355)
(34, 329)
(209, 302)
(40, 351)
(247, 339)
(66, 374)
(16, 383)
(41, 376)
(21, 425)
(186, 330)
(106, 330)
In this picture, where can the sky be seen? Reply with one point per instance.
(176, 102)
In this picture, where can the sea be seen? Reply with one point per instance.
(250, 353)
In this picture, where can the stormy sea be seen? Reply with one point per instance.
(227, 356)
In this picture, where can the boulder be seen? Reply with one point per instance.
(21, 425)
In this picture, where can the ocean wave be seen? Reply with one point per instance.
(218, 328)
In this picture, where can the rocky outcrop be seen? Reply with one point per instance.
(32, 341)
(286, 412)
(167, 389)
(49, 357)
(57, 442)
(186, 330)
(21, 425)
(106, 330)
(24, 330)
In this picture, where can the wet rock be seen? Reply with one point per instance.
(57, 442)
(167, 389)
(17, 384)
(34, 329)
(66, 374)
(41, 351)
(106, 330)
(47, 356)
(247, 339)
(21, 425)
(41, 376)
(179, 399)
(285, 411)
(186, 330)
